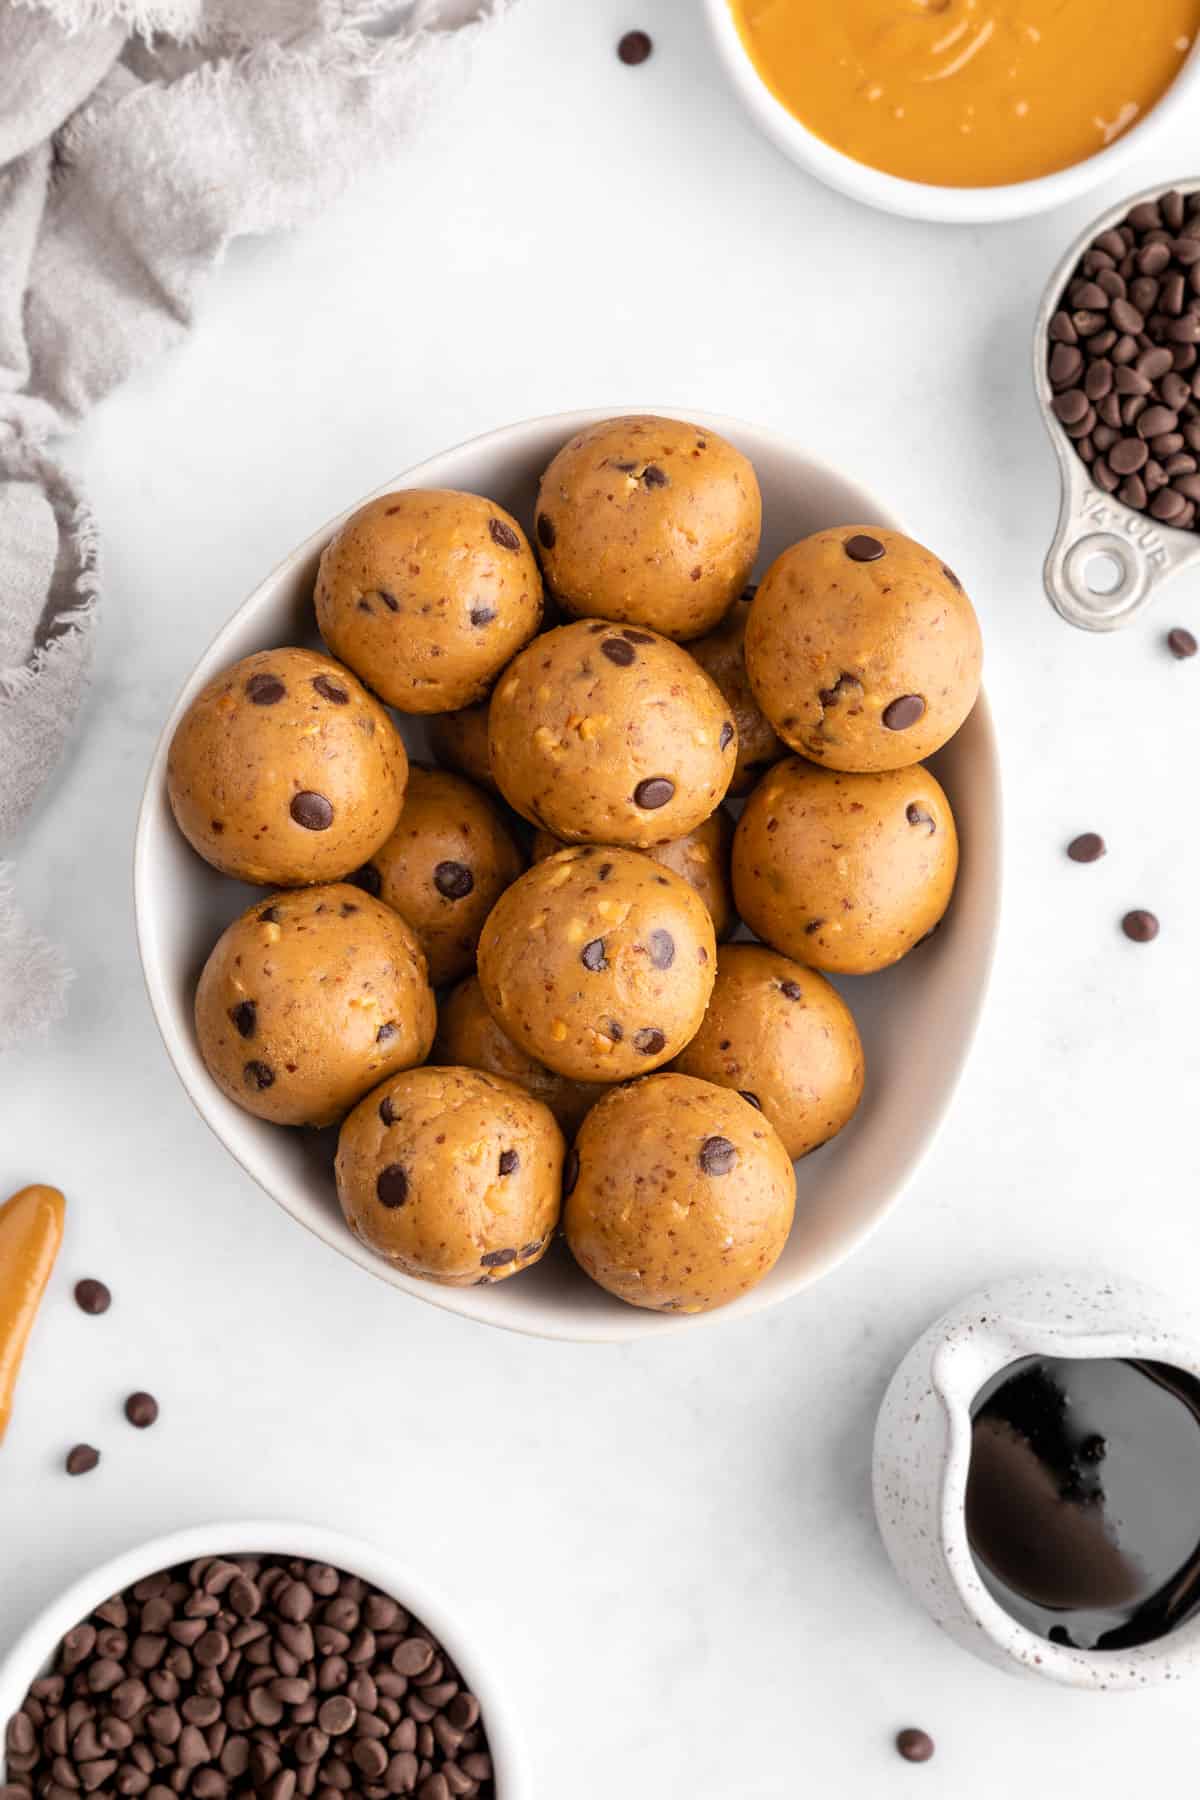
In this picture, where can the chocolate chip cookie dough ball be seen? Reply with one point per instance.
(451, 1175)
(598, 963)
(468, 1036)
(701, 857)
(862, 649)
(459, 740)
(284, 770)
(610, 735)
(650, 522)
(680, 1195)
(310, 998)
(720, 655)
(444, 867)
(427, 594)
(785, 1039)
(844, 872)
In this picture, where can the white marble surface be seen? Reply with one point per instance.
(672, 1544)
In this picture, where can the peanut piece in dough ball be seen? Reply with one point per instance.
(284, 770)
(862, 649)
(427, 594)
(310, 998)
(649, 521)
(680, 1195)
(785, 1039)
(598, 963)
(844, 872)
(702, 858)
(451, 1175)
(720, 655)
(444, 867)
(459, 740)
(608, 734)
(467, 1035)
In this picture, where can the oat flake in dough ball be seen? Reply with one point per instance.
(459, 740)
(608, 734)
(468, 1036)
(862, 649)
(444, 867)
(702, 858)
(648, 521)
(598, 963)
(680, 1195)
(844, 872)
(284, 770)
(785, 1040)
(427, 594)
(308, 999)
(721, 655)
(451, 1175)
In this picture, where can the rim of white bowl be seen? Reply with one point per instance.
(280, 1537)
(626, 1323)
(926, 200)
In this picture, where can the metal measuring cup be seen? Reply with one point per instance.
(1107, 562)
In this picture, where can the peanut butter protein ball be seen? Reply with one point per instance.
(721, 655)
(468, 1036)
(701, 857)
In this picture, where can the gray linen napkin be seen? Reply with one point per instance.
(138, 138)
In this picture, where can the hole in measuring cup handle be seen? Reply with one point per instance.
(1104, 575)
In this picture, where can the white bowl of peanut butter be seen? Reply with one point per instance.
(962, 111)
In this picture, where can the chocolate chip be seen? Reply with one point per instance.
(618, 651)
(862, 548)
(503, 534)
(603, 872)
(142, 1410)
(387, 1116)
(635, 47)
(545, 530)
(258, 1075)
(387, 1031)
(389, 600)
(329, 690)
(1181, 643)
(391, 1189)
(914, 1746)
(265, 689)
(592, 956)
(649, 1040)
(570, 1172)
(313, 811)
(653, 792)
(662, 949)
(1087, 847)
(752, 1098)
(1140, 925)
(653, 476)
(482, 615)
(613, 1030)
(245, 1017)
(902, 712)
(510, 1162)
(269, 915)
(717, 1156)
(92, 1297)
(726, 735)
(497, 1259)
(453, 880)
(82, 1459)
(917, 815)
(637, 637)
(336, 1715)
(368, 879)
(791, 990)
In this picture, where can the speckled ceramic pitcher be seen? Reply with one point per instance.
(923, 1448)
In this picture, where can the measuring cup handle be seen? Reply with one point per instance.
(1106, 561)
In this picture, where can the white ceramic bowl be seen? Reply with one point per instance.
(924, 200)
(33, 1650)
(917, 1020)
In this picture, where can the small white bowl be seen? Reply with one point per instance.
(925, 200)
(31, 1654)
(917, 1019)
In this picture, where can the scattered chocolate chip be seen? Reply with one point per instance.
(142, 1410)
(653, 476)
(545, 530)
(902, 712)
(482, 615)
(653, 792)
(453, 880)
(635, 47)
(245, 1017)
(329, 690)
(662, 949)
(391, 1190)
(649, 1040)
(265, 689)
(717, 1156)
(618, 651)
(592, 956)
(726, 735)
(82, 1459)
(368, 879)
(914, 1746)
(1140, 925)
(1088, 847)
(1181, 643)
(258, 1075)
(92, 1297)
(862, 548)
(570, 1172)
(503, 534)
(313, 811)
(918, 815)
(510, 1162)
(497, 1259)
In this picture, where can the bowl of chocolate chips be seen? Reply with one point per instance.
(252, 1659)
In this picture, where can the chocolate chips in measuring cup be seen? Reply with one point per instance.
(1124, 359)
